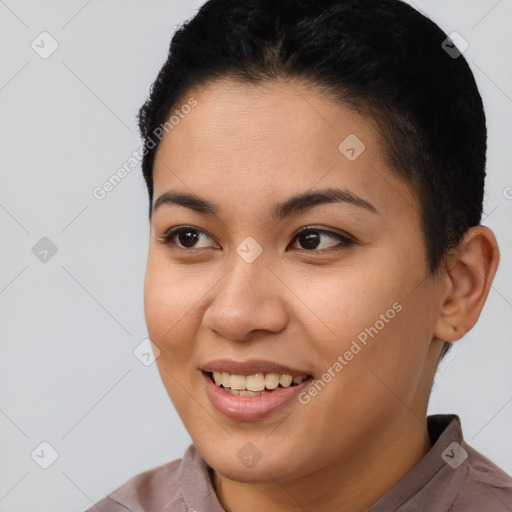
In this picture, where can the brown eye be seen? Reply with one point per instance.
(184, 238)
(310, 239)
(188, 238)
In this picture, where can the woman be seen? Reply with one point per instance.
(315, 172)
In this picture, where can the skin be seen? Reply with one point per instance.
(245, 148)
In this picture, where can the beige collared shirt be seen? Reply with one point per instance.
(452, 477)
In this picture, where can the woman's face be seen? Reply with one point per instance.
(349, 298)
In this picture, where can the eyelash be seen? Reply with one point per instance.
(345, 241)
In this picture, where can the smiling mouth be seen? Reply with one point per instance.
(258, 384)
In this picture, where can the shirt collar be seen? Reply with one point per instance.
(198, 491)
(434, 482)
(432, 477)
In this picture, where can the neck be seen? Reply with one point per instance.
(351, 485)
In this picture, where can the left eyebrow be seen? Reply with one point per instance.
(301, 202)
(292, 206)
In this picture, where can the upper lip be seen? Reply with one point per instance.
(250, 367)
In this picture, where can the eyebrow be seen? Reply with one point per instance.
(292, 206)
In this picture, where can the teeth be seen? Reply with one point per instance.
(285, 380)
(255, 384)
(244, 392)
(217, 377)
(271, 380)
(238, 382)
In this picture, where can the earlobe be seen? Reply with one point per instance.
(469, 272)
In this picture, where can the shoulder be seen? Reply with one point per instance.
(485, 487)
(145, 491)
(177, 486)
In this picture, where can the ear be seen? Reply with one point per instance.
(468, 275)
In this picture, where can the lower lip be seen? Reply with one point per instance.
(249, 408)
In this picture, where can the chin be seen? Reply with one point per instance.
(237, 465)
(260, 473)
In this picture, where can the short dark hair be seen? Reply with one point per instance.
(384, 59)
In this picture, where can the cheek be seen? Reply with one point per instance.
(382, 361)
(372, 320)
(171, 324)
(169, 299)
(348, 304)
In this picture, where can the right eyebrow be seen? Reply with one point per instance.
(191, 201)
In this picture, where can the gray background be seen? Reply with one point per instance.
(69, 325)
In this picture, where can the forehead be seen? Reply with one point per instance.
(260, 143)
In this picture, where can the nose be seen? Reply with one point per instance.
(249, 299)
